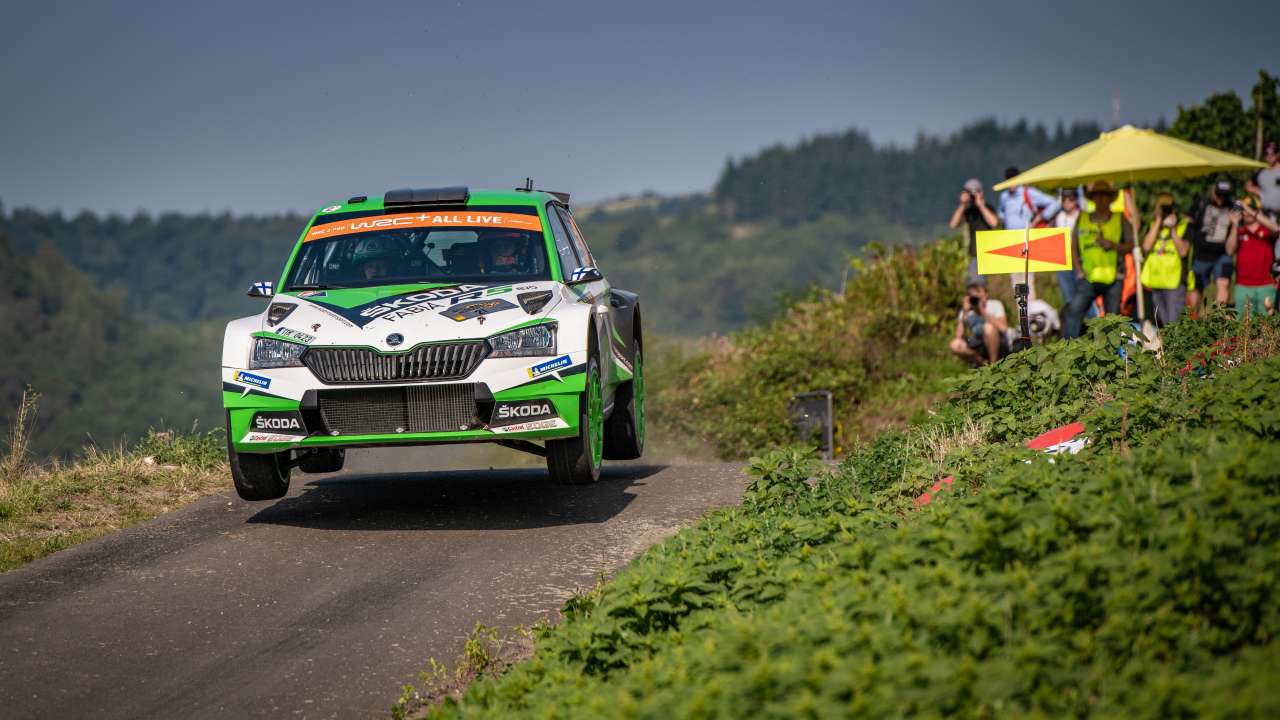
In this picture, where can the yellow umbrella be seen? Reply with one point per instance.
(1129, 155)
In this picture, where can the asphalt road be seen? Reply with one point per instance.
(323, 603)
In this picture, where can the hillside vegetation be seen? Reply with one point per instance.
(1132, 580)
(103, 372)
(880, 348)
(170, 268)
(45, 507)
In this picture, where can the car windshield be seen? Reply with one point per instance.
(394, 257)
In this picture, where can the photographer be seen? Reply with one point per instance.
(1265, 185)
(1252, 234)
(974, 211)
(981, 336)
(1164, 271)
(1210, 261)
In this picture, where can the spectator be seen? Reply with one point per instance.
(1069, 200)
(1252, 234)
(1100, 241)
(1210, 262)
(975, 212)
(1266, 184)
(1164, 271)
(981, 328)
(1022, 207)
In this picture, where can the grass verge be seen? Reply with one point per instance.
(1133, 579)
(45, 508)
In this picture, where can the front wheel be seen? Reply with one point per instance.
(576, 461)
(258, 476)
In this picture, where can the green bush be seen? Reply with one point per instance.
(896, 309)
(1134, 579)
(202, 450)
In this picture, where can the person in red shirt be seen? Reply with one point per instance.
(1250, 241)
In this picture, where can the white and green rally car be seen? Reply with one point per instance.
(430, 316)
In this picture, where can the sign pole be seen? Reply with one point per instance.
(1131, 205)
(1021, 291)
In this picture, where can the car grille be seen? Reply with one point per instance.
(452, 361)
(408, 409)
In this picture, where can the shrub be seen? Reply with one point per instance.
(1133, 579)
(895, 309)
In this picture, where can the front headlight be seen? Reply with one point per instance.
(525, 342)
(272, 353)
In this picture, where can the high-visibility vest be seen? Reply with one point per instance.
(1162, 269)
(1099, 265)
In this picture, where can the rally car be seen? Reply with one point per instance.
(427, 316)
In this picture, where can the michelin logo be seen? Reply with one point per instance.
(550, 366)
(249, 378)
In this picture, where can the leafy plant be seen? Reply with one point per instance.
(1132, 579)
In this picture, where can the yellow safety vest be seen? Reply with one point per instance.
(1099, 265)
(1162, 269)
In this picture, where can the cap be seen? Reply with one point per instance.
(1252, 203)
(1223, 187)
(1101, 186)
(973, 185)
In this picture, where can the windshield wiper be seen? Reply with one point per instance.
(314, 286)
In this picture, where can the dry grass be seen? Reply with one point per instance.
(936, 442)
(17, 456)
(487, 653)
(45, 508)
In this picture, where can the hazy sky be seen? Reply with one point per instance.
(266, 106)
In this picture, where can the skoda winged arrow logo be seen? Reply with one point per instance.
(395, 339)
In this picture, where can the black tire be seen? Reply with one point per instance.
(571, 461)
(624, 430)
(258, 476)
(323, 461)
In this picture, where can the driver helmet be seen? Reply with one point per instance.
(506, 249)
(374, 256)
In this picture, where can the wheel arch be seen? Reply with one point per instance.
(626, 306)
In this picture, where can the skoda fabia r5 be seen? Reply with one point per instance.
(428, 316)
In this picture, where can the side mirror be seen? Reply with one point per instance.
(261, 289)
(585, 274)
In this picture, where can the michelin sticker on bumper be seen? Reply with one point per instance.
(550, 367)
(249, 378)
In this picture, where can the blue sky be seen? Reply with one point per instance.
(270, 106)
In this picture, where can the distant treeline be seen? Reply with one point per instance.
(170, 267)
(847, 173)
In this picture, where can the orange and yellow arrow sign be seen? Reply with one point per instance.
(1000, 251)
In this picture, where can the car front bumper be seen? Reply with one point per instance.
(402, 414)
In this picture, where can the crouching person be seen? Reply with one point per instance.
(981, 336)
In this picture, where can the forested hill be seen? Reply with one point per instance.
(847, 173)
(171, 267)
(102, 371)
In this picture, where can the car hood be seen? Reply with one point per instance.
(398, 317)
